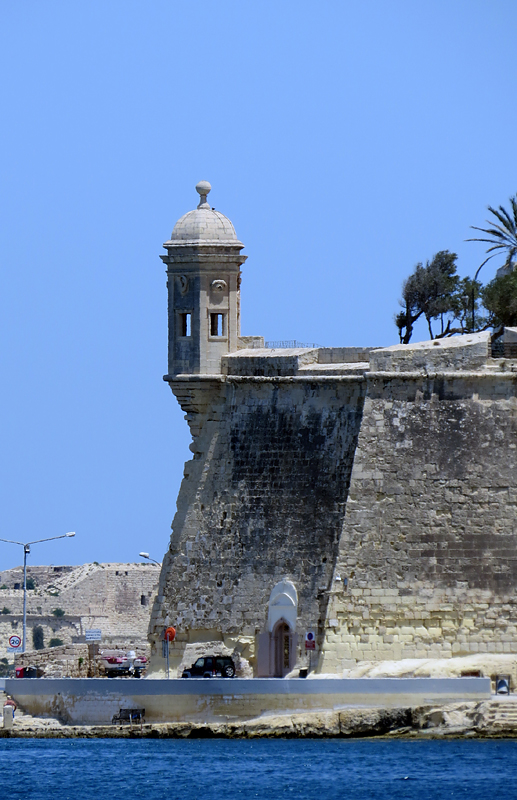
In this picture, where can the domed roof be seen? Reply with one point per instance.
(204, 225)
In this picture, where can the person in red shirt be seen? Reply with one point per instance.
(11, 702)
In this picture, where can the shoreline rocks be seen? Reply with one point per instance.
(495, 718)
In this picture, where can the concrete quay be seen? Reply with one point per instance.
(94, 701)
(494, 718)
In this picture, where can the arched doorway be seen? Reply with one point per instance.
(277, 645)
(283, 649)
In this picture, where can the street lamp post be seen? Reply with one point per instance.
(26, 549)
(146, 555)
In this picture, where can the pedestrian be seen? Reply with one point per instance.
(10, 702)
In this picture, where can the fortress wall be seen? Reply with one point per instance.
(262, 500)
(429, 543)
(67, 629)
(116, 598)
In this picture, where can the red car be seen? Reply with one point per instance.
(120, 665)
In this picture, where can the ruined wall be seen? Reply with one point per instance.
(262, 500)
(430, 536)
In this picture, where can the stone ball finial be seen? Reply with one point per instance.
(203, 188)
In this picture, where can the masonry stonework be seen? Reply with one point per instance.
(66, 601)
(380, 484)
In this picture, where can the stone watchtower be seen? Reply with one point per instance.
(203, 279)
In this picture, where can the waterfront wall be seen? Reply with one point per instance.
(382, 492)
(430, 533)
(262, 499)
(94, 701)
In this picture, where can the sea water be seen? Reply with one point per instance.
(219, 769)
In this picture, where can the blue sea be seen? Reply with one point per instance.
(312, 769)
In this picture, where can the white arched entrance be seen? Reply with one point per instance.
(277, 645)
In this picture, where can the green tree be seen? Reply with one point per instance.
(37, 637)
(429, 291)
(55, 642)
(30, 583)
(500, 298)
(466, 308)
(58, 612)
(501, 237)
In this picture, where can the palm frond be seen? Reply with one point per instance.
(496, 231)
(489, 241)
(504, 218)
(503, 236)
(513, 201)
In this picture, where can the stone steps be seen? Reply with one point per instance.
(19, 712)
(502, 714)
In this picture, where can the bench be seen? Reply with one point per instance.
(129, 715)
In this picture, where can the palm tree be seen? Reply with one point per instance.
(503, 237)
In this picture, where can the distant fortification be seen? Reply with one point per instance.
(63, 602)
(368, 495)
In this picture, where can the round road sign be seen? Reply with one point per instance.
(14, 641)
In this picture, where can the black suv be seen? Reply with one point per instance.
(211, 667)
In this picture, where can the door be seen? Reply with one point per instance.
(283, 649)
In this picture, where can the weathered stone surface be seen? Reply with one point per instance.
(492, 719)
(263, 498)
(116, 598)
(457, 353)
(430, 531)
(384, 492)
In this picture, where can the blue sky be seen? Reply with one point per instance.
(346, 141)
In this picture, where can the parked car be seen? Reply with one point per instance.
(211, 667)
(120, 665)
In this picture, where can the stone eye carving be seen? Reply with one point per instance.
(183, 283)
(218, 286)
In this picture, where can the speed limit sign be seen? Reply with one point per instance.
(14, 641)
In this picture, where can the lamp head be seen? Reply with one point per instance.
(72, 533)
(144, 555)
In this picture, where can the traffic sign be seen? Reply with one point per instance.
(93, 635)
(14, 641)
(310, 640)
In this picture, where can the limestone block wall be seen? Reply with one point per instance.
(461, 353)
(67, 629)
(117, 598)
(262, 500)
(386, 492)
(427, 563)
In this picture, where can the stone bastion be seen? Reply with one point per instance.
(366, 495)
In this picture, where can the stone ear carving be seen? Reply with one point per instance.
(183, 283)
(218, 286)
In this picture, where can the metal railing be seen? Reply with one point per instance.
(501, 349)
(289, 344)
